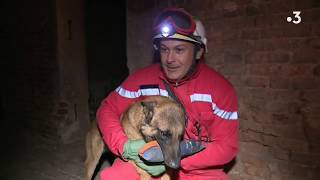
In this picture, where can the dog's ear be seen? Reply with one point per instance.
(148, 108)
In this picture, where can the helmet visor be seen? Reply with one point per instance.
(174, 20)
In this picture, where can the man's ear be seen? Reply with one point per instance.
(199, 53)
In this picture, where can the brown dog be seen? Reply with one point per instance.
(154, 118)
(94, 150)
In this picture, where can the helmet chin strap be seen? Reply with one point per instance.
(191, 70)
(193, 66)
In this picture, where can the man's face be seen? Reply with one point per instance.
(176, 58)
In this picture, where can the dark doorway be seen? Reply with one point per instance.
(106, 48)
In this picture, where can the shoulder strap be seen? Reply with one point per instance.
(176, 99)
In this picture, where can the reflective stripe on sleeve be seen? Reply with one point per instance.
(228, 115)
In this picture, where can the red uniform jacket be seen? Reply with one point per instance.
(211, 105)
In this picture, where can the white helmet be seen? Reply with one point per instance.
(201, 32)
(176, 23)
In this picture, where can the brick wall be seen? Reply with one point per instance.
(71, 110)
(274, 66)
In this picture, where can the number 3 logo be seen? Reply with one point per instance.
(297, 16)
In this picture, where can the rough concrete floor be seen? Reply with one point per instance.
(25, 158)
(45, 161)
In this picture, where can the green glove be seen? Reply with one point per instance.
(153, 170)
(131, 149)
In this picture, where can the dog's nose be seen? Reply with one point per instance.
(173, 164)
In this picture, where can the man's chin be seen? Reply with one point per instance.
(172, 77)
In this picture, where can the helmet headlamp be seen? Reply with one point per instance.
(166, 30)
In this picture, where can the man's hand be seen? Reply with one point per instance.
(131, 149)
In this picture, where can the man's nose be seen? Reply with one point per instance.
(170, 57)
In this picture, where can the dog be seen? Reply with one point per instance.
(94, 149)
(154, 118)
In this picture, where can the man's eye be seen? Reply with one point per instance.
(180, 50)
(163, 50)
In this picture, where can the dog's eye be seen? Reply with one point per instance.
(165, 134)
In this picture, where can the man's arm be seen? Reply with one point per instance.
(108, 118)
(224, 133)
